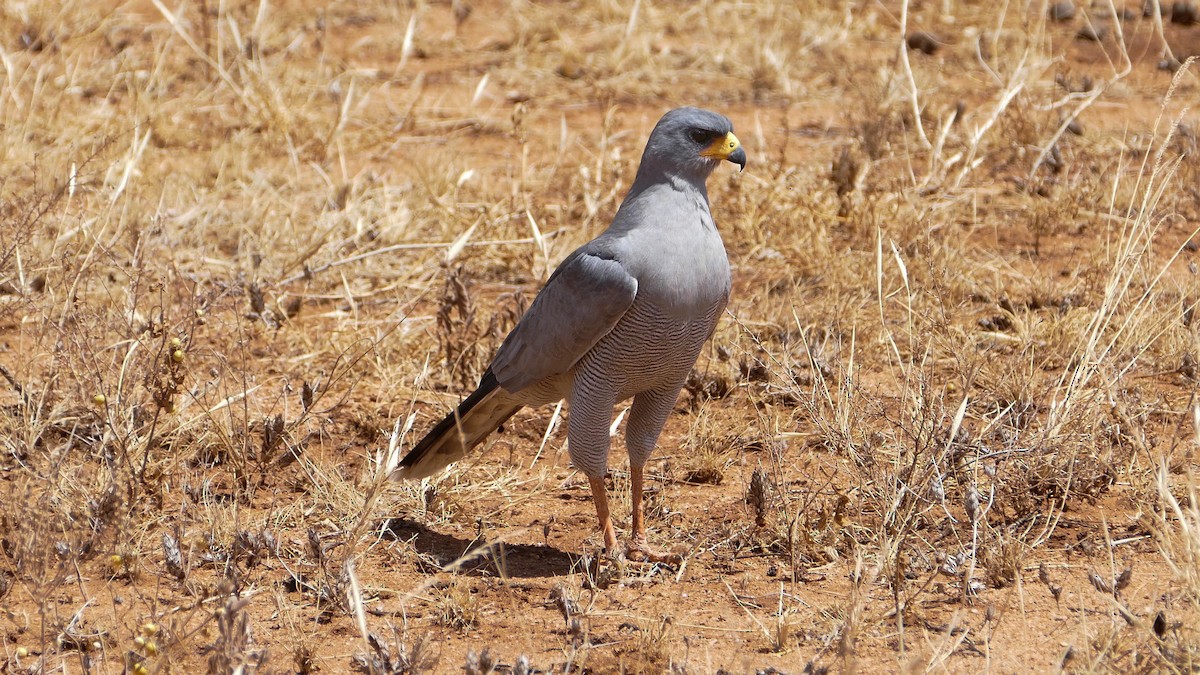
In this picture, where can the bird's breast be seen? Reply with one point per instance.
(686, 282)
(667, 240)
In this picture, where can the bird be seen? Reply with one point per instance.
(623, 316)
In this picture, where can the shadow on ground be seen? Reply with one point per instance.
(519, 561)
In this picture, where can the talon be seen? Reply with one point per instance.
(640, 551)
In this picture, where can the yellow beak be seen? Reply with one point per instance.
(728, 147)
(722, 148)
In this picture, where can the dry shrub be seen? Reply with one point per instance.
(395, 657)
(458, 606)
(233, 649)
(646, 648)
(46, 536)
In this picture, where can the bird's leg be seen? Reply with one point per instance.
(639, 549)
(600, 496)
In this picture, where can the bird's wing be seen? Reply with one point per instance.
(584, 298)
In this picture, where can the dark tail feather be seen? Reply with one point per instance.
(452, 438)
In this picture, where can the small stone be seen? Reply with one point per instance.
(572, 66)
(926, 43)
(1184, 14)
(1091, 33)
(1062, 11)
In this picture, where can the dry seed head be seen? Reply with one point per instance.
(177, 356)
(99, 399)
(566, 606)
(1099, 583)
(972, 504)
(936, 489)
(306, 395)
(149, 628)
(176, 343)
(22, 652)
(757, 496)
(480, 664)
(173, 559)
(1124, 578)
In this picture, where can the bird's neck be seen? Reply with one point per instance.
(669, 201)
(651, 177)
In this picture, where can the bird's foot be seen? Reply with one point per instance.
(637, 550)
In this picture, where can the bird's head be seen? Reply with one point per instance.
(691, 142)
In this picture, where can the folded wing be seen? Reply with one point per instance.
(585, 297)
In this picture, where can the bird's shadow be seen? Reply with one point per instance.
(519, 561)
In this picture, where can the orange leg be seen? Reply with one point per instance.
(639, 549)
(636, 480)
(600, 496)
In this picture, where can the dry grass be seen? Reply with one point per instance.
(249, 251)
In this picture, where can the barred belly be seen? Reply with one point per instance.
(645, 351)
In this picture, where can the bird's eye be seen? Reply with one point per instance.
(701, 136)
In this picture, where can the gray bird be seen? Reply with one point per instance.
(625, 315)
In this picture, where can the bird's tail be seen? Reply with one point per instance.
(463, 429)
